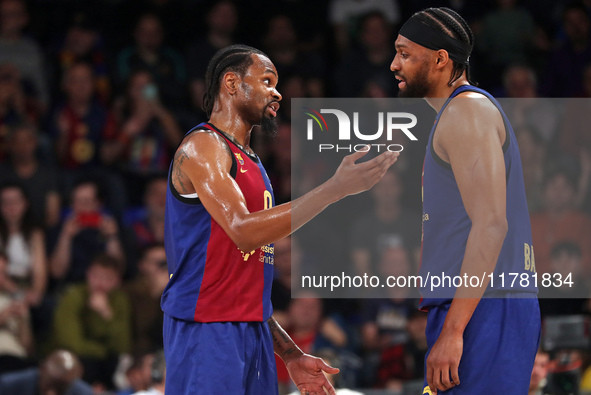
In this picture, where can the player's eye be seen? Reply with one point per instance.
(267, 80)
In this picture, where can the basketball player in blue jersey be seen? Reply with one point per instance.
(482, 339)
(219, 333)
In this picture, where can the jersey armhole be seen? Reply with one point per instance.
(505, 145)
(197, 200)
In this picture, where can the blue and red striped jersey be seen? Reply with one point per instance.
(211, 279)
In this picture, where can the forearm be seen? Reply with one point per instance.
(266, 226)
(482, 252)
(282, 343)
(60, 259)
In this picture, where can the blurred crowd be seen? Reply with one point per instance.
(95, 96)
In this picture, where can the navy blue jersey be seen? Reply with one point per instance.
(446, 224)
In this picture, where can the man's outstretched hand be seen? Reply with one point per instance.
(307, 372)
(352, 178)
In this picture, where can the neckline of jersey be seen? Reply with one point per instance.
(253, 156)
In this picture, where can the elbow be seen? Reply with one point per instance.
(244, 239)
(496, 228)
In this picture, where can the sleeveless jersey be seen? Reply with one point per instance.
(211, 279)
(446, 224)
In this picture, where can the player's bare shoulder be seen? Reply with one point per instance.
(200, 150)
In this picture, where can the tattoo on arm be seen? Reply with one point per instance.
(178, 180)
(284, 346)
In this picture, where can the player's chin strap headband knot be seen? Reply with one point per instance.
(431, 38)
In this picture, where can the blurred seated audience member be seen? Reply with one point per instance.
(82, 42)
(344, 17)
(568, 299)
(403, 362)
(310, 329)
(144, 295)
(386, 223)
(158, 376)
(332, 359)
(86, 231)
(221, 21)
(280, 169)
(149, 131)
(281, 43)
(58, 374)
(38, 179)
(506, 37)
(560, 220)
(520, 82)
(369, 61)
(84, 130)
(24, 244)
(539, 373)
(13, 104)
(148, 224)
(139, 374)
(533, 159)
(16, 340)
(563, 76)
(164, 64)
(23, 52)
(93, 319)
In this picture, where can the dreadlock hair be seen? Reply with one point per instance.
(236, 58)
(452, 24)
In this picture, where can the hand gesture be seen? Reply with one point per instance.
(108, 227)
(443, 361)
(307, 372)
(71, 227)
(352, 178)
(99, 302)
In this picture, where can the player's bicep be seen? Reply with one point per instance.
(476, 156)
(207, 166)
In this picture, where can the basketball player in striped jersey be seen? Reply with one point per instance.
(219, 333)
(482, 338)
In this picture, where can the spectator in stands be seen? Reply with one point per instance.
(84, 131)
(144, 294)
(221, 21)
(39, 180)
(24, 244)
(59, 374)
(533, 159)
(539, 373)
(368, 62)
(281, 44)
(506, 38)
(158, 376)
(13, 104)
(560, 220)
(21, 51)
(345, 15)
(86, 231)
(16, 342)
(148, 129)
(285, 250)
(149, 227)
(385, 320)
(564, 71)
(82, 42)
(164, 64)
(310, 329)
(93, 320)
(387, 223)
(573, 296)
(139, 374)
(403, 362)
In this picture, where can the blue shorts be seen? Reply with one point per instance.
(219, 358)
(500, 345)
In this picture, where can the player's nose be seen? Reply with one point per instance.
(395, 65)
(276, 95)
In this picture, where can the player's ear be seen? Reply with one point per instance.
(442, 58)
(230, 82)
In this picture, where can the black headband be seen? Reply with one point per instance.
(428, 37)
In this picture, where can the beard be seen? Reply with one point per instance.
(419, 87)
(269, 124)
